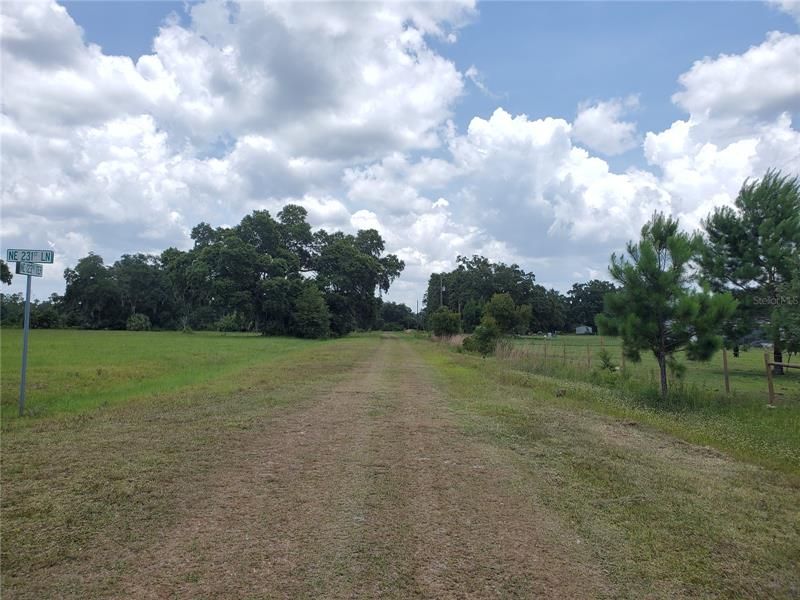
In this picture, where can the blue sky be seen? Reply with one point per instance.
(533, 132)
(124, 27)
(537, 58)
(543, 58)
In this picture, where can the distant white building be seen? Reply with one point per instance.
(583, 330)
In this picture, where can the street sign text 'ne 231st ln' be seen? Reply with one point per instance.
(31, 256)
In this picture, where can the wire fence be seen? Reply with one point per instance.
(583, 358)
(587, 358)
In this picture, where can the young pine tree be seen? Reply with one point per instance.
(752, 250)
(659, 308)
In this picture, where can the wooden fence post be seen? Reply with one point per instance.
(565, 354)
(588, 357)
(622, 355)
(545, 355)
(725, 370)
(771, 387)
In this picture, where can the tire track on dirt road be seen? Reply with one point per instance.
(371, 491)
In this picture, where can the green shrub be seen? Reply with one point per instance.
(229, 322)
(484, 340)
(45, 316)
(202, 318)
(471, 315)
(606, 364)
(12, 308)
(138, 322)
(445, 322)
(312, 319)
(469, 344)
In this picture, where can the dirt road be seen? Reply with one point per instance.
(371, 491)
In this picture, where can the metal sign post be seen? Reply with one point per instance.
(25, 347)
(27, 265)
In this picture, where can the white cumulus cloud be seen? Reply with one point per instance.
(599, 126)
(758, 84)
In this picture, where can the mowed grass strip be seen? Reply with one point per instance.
(72, 371)
(742, 424)
(662, 517)
(83, 493)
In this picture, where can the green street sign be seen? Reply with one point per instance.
(30, 256)
(28, 268)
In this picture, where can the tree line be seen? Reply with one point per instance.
(269, 275)
(467, 290)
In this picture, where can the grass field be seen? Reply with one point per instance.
(73, 371)
(376, 466)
